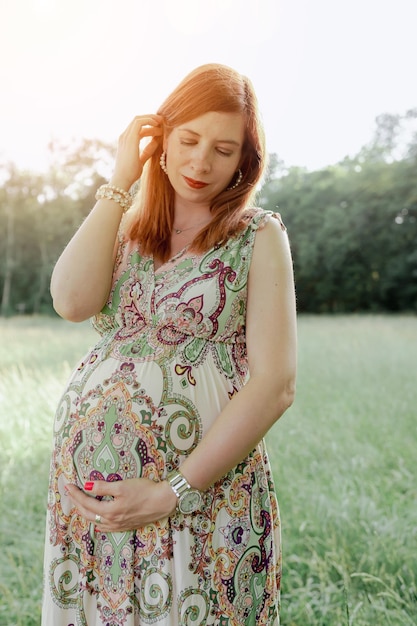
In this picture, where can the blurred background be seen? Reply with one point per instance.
(339, 102)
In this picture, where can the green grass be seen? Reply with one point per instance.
(36, 357)
(344, 460)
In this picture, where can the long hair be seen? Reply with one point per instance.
(208, 88)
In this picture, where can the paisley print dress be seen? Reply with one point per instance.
(171, 354)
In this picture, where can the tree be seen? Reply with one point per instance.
(38, 215)
(353, 228)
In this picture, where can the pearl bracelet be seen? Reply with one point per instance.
(110, 192)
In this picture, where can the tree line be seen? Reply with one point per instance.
(352, 225)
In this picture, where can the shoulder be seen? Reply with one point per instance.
(270, 233)
(258, 218)
(271, 251)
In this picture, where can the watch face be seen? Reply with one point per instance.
(190, 501)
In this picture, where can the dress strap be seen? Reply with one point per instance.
(260, 217)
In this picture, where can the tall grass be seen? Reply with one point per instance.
(36, 357)
(344, 460)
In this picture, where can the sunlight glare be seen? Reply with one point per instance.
(191, 17)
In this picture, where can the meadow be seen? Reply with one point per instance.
(344, 461)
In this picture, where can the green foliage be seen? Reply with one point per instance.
(343, 459)
(353, 232)
(352, 226)
(39, 213)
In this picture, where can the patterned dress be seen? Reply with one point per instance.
(172, 354)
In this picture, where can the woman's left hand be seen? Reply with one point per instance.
(127, 504)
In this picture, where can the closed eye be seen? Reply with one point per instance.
(192, 142)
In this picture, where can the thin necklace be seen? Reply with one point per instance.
(178, 231)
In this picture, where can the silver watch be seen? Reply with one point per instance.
(189, 499)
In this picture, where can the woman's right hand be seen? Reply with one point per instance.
(130, 158)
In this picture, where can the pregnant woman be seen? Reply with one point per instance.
(162, 508)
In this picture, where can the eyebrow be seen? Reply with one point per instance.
(230, 141)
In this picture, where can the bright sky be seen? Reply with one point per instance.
(323, 69)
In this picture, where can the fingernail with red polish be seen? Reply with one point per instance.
(88, 486)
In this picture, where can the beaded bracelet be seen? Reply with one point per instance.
(110, 192)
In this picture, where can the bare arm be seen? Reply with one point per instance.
(81, 279)
(271, 345)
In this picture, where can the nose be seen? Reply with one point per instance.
(201, 162)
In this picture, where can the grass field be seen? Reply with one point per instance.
(344, 459)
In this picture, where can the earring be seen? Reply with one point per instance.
(238, 180)
(163, 163)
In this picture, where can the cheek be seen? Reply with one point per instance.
(178, 154)
(181, 152)
(226, 170)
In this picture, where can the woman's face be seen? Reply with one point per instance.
(203, 156)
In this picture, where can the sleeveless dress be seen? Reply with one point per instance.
(172, 354)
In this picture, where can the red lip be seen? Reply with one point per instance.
(194, 184)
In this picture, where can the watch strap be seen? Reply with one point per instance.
(179, 483)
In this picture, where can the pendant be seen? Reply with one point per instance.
(178, 231)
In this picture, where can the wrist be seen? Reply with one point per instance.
(121, 181)
(168, 498)
(116, 194)
(189, 499)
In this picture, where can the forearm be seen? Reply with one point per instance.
(82, 276)
(238, 429)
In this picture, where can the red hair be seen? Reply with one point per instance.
(208, 88)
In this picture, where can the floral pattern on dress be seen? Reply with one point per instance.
(171, 355)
